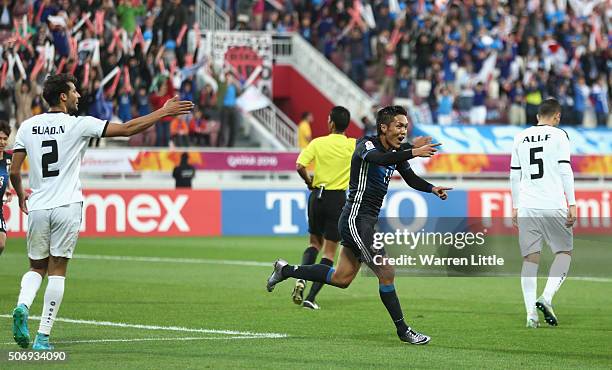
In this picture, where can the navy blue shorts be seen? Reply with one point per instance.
(357, 233)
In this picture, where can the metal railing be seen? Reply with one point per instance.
(210, 17)
(278, 124)
(332, 83)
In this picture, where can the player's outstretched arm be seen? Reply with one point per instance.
(18, 158)
(173, 107)
(389, 158)
(417, 142)
(440, 191)
(418, 183)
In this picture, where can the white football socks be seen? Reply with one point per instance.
(53, 299)
(529, 283)
(557, 275)
(30, 283)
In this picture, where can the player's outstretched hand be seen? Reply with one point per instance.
(571, 216)
(23, 205)
(440, 191)
(419, 141)
(176, 107)
(426, 150)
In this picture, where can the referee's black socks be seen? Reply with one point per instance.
(319, 272)
(316, 286)
(389, 299)
(310, 255)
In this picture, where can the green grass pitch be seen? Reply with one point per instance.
(474, 322)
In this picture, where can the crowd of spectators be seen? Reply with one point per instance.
(129, 56)
(471, 61)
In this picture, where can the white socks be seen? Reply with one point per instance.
(53, 299)
(557, 275)
(529, 283)
(30, 283)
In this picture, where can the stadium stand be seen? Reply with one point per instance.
(448, 61)
(434, 52)
(135, 45)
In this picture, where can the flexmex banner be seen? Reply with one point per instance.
(116, 213)
(112, 213)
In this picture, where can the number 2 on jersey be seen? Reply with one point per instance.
(533, 160)
(49, 158)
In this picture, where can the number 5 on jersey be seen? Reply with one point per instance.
(533, 160)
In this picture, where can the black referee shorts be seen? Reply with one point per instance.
(324, 212)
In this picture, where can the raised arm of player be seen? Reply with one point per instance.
(567, 179)
(18, 158)
(173, 107)
(388, 158)
(417, 142)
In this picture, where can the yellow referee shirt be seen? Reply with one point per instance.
(332, 157)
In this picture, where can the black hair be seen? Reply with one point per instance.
(305, 115)
(184, 158)
(387, 115)
(549, 107)
(55, 85)
(5, 127)
(341, 117)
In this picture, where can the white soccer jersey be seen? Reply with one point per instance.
(55, 144)
(539, 152)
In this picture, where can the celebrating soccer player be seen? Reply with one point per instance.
(373, 162)
(541, 179)
(56, 142)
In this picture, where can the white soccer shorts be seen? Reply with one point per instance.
(536, 225)
(54, 231)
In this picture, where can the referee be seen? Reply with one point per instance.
(332, 157)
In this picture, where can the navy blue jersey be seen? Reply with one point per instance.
(369, 182)
(5, 164)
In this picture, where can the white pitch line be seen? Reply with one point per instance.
(267, 264)
(143, 340)
(589, 278)
(171, 260)
(155, 327)
(582, 278)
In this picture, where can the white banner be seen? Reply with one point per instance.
(252, 99)
(248, 54)
(109, 161)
